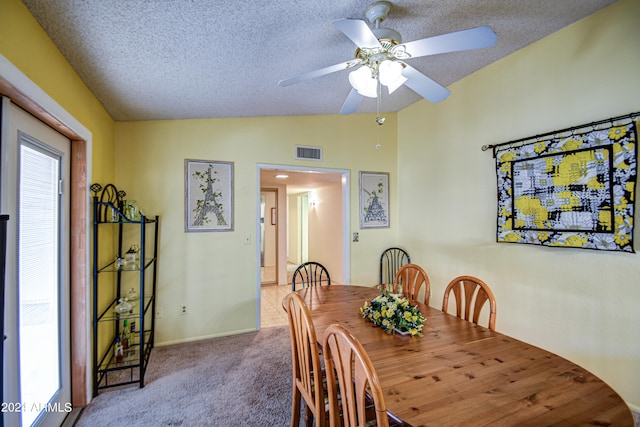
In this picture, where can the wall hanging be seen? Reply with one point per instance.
(374, 199)
(208, 195)
(569, 188)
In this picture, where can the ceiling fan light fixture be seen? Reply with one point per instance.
(360, 78)
(389, 72)
(371, 89)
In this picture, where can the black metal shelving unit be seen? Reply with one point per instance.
(110, 283)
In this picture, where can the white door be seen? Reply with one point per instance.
(34, 176)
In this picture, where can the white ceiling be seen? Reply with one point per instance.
(179, 59)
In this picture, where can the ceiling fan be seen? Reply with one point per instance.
(380, 57)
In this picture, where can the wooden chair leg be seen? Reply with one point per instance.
(308, 416)
(295, 408)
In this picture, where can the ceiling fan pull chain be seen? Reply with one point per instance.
(379, 120)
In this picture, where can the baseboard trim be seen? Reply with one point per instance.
(204, 337)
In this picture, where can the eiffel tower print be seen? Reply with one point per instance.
(374, 211)
(211, 202)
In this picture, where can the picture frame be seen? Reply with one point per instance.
(208, 195)
(374, 199)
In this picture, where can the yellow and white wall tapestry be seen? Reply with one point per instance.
(576, 190)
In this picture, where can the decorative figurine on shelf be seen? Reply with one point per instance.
(132, 255)
(123, 306)
(132, 295)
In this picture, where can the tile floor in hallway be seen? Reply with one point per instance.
(271, 311)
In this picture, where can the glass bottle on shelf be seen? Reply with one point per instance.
(132, 342)
(125, 337)
(119, 351)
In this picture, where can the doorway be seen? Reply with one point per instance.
(35, 182)
(313, 220)
(16, 87)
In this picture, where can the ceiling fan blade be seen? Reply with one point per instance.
(473, 38)
(424, 86)
(358, 31)
(316, 73)
(352, 102)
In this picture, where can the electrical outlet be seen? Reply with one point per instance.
(183, 310)
(158, 313)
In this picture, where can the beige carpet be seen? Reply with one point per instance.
(241, 380)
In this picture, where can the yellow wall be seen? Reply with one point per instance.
(581, 304)
(214, 274)
(25, 44)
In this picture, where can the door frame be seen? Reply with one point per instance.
(267, 217)
(16, 86)
(346, 223)
(27, 132)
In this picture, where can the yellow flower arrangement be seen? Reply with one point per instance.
(392, 312)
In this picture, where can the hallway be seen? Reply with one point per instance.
(272, 313)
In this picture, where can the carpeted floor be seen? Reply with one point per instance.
(241, 380)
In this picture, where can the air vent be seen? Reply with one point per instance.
(308, 153)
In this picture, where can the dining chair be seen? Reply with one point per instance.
(408, 281)
(390, 261)
(352, 381)
(470, 294)
(310, 274)
(308, 374)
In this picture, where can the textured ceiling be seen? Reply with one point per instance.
(179, 59)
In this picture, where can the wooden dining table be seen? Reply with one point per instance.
(462, 374)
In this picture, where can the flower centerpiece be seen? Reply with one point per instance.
(393, 313)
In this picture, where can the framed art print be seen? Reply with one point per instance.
(208, 195)
(374, 199)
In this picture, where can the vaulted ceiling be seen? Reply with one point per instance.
(179, 59)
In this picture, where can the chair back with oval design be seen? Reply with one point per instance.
(409, 280)
(471, 294)
(352, 377)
